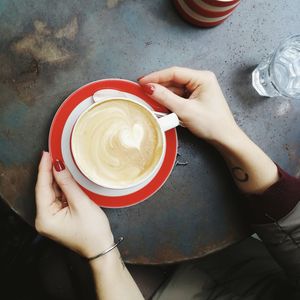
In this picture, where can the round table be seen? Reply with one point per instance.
(49, 49)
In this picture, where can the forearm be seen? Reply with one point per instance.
(252, 170)
(112, 279)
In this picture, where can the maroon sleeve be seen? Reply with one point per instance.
(276, 202)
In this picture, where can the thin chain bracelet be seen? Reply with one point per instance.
(107, 250)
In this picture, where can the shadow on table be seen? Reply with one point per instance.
(166, 12)
(242, 83)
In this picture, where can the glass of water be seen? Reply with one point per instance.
(279, 73)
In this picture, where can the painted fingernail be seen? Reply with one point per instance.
(140, 78)
(58, 165)
(148, 89)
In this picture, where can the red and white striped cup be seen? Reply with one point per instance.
(205, 13)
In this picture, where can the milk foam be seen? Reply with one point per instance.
(117, 143)
(132, 137)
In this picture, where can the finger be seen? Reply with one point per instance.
(43, 187)
(57, 203)
(172, 83)
(64, 201)
(185, 76)
(164, 96)
(73, 193)
(56, 189)
(178, 91)
(56, 206)
(177, 88)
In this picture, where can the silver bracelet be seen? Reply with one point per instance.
(107, 250)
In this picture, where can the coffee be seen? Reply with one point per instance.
(117, 143)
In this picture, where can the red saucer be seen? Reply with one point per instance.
(87, 91)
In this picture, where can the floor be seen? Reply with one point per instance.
(32, 267)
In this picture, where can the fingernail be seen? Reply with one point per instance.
(58, 165)
(140, 78)
(148, 89)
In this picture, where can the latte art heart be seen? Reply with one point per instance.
(132, 137)
(117, 143)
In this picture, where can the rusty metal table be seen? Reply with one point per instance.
(50, 48)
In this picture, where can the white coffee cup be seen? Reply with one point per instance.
(164, 123)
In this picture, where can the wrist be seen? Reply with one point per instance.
(111, 261)
(97, 245)
(230, 138)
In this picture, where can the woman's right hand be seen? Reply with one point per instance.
(66, 214)
(196, 97)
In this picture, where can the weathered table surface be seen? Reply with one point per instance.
(50, 48)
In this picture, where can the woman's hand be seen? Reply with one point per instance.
(65, 214)
(197, 99)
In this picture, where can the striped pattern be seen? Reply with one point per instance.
(221, 3)
(205, 13)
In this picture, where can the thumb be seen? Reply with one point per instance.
(74, 194)
(164, 96)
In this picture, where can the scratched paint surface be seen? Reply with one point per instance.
(50, 48)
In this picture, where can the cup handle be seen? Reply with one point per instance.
(168, 122)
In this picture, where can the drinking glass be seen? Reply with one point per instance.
(279, 73)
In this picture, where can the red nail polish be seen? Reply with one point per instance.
(148, 89)
(58, 165)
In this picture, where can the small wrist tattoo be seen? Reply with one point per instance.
(239, 174)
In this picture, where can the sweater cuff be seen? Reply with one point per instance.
(275, 202)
